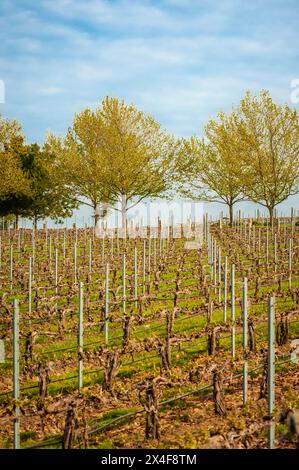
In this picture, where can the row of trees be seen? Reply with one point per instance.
(29, 178)
(250, 154)
(117, 156)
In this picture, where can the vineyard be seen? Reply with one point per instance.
(157, 340)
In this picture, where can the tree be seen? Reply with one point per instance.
(209, 168)
(46, 196)
(49, 197)
(12, 177)
(270, 150)
(80, 165)
(137, 154)
(116, 154)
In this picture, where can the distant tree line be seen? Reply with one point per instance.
(117, 155)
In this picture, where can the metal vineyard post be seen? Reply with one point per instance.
(245, 340)
(106, 305)
(16, 372)
(271, 369)
(80, 338)
(233, 309)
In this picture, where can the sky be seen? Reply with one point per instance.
(180, 60)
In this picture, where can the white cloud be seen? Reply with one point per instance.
(50, 90)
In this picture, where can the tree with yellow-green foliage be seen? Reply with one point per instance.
(116, 153)
(49, 197)
(12, 140)
(30, 185)
(209, 168)
(269, 134)
(80, 165)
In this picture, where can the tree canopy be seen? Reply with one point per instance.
(270, 150)
(30, 184)
(116, 153)
(12, 178)
(251, 153)
(209, 168)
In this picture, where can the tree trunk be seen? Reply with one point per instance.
(97, 208)
(231, 213)
(124, 211)
(17, 222)
(35, 223)
(97, 218)
(271, 215)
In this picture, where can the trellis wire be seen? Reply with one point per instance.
(141, 410)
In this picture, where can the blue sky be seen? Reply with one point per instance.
(180, 60)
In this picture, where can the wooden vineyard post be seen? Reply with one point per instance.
(103, 247)
(233, 309)
(267, 246)
(245, 340)
(16, 372)
(219, 273)
(215, 266)
(160, 243)
(206, 227)
(290, 262)
(249, 233)
(80, 338)
(64, 245)
(284, 232)
(271, 369)
(50, 252)
(56, 271)
(292, 220)
(112, 245)
(225, 290)
(124, 283)
(46, 239)
(11, 266)
(30, 287)
(117, 242)
(143, 267)
(212, 257)
(259, 246)
(149, 262)
(275, 252)
(90, 256)
(106, 305)
(33, 248)
(135, 276)
(19, 244)
(75, 262)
